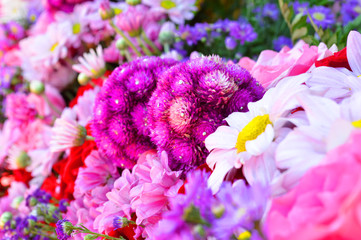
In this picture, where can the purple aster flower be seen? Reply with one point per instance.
(242, 207)
(188, 211)
(6, 75)
(221, 25)
(322, 16)
(242, 31)
(299, 7)
(350, 10)
(191, 101)
(15, 30)
(270, 10)
(120, 124)
(230, 43)
(64, 229)
(280, 42)
(33, 15)
(63, 204)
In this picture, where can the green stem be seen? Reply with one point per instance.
(85, 230)
(89, 138)
(117, 30)
(55, 109)
(166, 48)
(151, 44)
(143, 46)
(127, 55)
(44, 235)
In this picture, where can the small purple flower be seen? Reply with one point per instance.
(63, 204)
(6, 75)
(299, 7)
(242, 206)
(15, 30)
(64, 229)
(230, 43)
(38, 196)
(270, 10)
(350, 10)
(280, 42)
(120, 124)
(191, 101)
(120, 222)
(242, 31)
(187, 210)
(322, 16)
(33, 15)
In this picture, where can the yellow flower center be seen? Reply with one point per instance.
(32, 17)
(54, 47)
(357, 9)
(244, 236)
(319, 16)
(356, 124)
(167, 4)
(14, 29)
(76, 28)
(251, 131)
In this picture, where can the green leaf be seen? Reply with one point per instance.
(299, 33)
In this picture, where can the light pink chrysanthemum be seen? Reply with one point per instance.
(96, 173)
(67, 133)
(177, 10)
(92, 64)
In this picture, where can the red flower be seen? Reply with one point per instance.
(338, 59)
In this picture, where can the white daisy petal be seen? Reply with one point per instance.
(224, 138)
(262, 142)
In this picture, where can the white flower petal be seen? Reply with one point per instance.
(224, 138)
(262, 142)
(238, 120)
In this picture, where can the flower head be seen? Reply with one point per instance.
(64, 229)
(91, 64)
(250, 134)
(191, 101)
(243, 31)
(67, 133)
(322, 16)
(132, 19)
(17, 158)
(280, 42)
(177, 10)
(120, 124)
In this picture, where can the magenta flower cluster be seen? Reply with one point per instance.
(120, 124)
(190, 101)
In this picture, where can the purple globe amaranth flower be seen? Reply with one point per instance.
(280, 42)
(191, 101)
(120, 124)
(322, 16)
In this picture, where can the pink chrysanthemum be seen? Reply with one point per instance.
(92, 64)
(67, 133)
(120, 124)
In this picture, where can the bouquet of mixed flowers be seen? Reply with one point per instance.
(161, 119)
